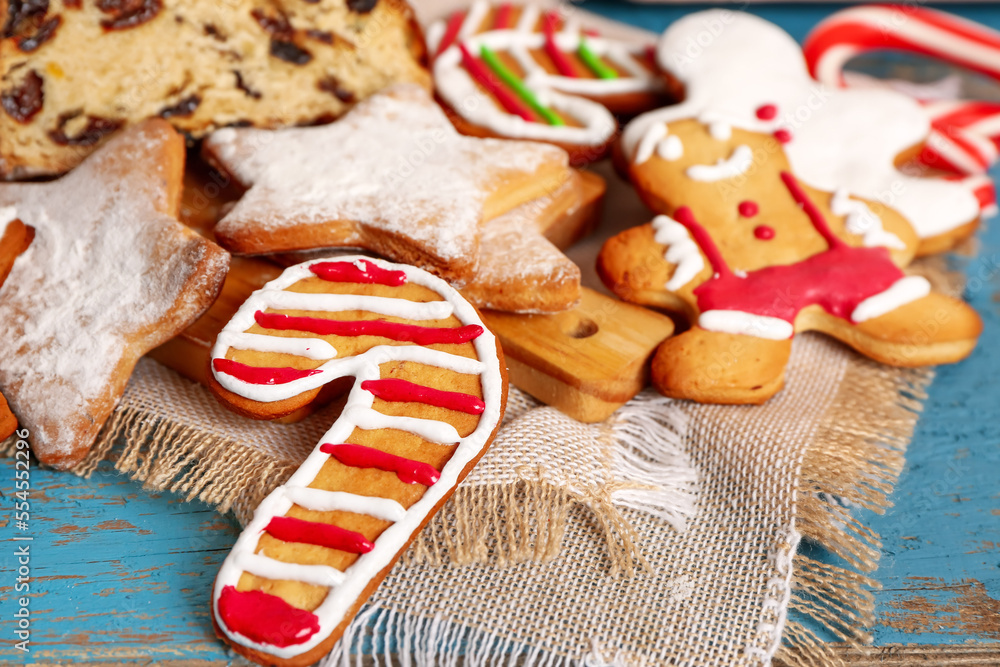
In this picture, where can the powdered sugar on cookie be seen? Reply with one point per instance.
(107, 276)
(393, 166)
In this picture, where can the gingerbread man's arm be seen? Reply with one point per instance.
(633, 266)
(15, 239)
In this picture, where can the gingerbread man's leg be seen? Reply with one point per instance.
(935, 329)
(713, 367)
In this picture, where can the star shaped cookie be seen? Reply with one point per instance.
(109, 275)
(522, 268)
(392, 176)
(15, 239)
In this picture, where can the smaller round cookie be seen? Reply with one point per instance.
(518, 72)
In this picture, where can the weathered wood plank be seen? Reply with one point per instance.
(116, 574)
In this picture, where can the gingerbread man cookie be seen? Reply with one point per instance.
(428, 394)
(740, 71)
(109, 275)
(393, 177)
(752, 254)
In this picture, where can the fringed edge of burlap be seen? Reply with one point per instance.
(166, 456)
(854, 461)
(507, 524)
(525, 520)
(436, 641)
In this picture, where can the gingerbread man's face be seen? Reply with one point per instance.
(730, 179)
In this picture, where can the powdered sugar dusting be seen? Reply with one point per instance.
(7, 215)
(104, 267)
(517, 259)
(395, 163)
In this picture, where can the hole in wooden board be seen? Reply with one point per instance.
(582, 328)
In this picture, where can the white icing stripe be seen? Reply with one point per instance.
(737, 163)
(681, 251)
(434, 35)
(332, 303)
(649, 142)
(839, 138)
(738, 322)
(269, 568)
(529, 18)
(862, 221)
(902, 292)
(7, 215)
(310, 348)
(319, 500)
(428, 429)
(474, 19)
(356, 579)
(340, 367)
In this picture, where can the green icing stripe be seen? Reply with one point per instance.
(518, 86)
(594, 62)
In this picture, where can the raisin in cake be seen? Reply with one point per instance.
(74, 71)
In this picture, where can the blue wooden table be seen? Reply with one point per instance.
(119, 575)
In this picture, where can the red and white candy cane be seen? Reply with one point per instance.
(965, 135)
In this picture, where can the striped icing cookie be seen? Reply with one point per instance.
(428, 393)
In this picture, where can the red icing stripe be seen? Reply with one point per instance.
(395, 390)
(291, 529)
(455, 22)
(489, 81)
(550, 24)
(348, 272)
(260, 374)
(411, 333)
(502, 19)
(408, 470)
(685, 216)
(265, 618)
(817, 219)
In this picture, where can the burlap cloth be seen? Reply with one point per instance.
(665, 536)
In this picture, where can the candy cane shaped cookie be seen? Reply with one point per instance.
(523, 73)
(429, 392)
(965, 134)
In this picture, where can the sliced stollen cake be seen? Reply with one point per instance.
(74, 71)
